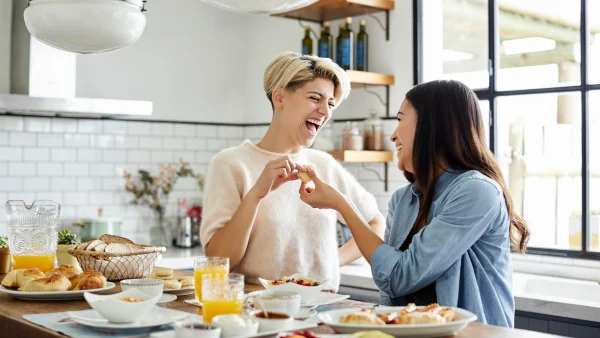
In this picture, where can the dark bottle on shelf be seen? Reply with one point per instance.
(347, 48)
(307, 42)
(338, 46)
(362, 48)
(326, 42)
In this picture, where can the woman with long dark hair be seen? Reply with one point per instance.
(449, 233)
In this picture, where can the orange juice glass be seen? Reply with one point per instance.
(211, 265)
(42, 262)
(222, 296)
(32, 233)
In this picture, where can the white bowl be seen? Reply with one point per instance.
(196, 329)
(236, 325)
(150, 286)
(272, 324)
(115, 310)
(306, 292)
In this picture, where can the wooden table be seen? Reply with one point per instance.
(13, 325)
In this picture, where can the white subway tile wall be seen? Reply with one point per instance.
(79, 163)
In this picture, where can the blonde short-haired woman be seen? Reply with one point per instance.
(252, 209)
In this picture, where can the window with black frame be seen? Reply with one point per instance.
(534, 65)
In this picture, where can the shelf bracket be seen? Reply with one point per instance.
(383, 179)
(386, 26)
(383, 102)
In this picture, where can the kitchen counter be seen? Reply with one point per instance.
(553, 296)
(12, 311)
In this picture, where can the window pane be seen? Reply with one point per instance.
(593, 7)
(484, 105)
(594, 166)
(455, 41)
(539, 43)
(539, 151)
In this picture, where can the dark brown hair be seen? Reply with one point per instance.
(450, 128)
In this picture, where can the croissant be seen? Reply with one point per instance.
(56, 282)
(88, 280)
(25, 276)
(361, 318)
(10, 280)
(67, 270)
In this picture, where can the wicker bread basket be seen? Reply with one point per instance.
(119, 266)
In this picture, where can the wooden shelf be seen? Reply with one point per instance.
(359, 79)
(327, 10)
(365, 156)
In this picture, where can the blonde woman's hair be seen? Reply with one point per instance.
(291, 70)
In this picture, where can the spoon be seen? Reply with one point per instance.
(262, 305)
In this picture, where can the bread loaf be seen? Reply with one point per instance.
(110, 239)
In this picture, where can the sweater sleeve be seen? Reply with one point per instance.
(222, 197)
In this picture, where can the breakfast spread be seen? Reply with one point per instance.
(430, 314)
(64, 278)
(299, 281)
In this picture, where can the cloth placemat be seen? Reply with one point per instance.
(62, 323)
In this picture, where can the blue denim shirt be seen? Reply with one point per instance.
(464, 249)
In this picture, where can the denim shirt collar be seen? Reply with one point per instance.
(441, 184)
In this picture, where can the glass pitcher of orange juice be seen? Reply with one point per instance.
(211, 265)
(222, 296)
(32, 233)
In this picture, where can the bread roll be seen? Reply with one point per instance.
(10, 280)
(172, 284)
(67, 270)
(56, 282)
(421, 318)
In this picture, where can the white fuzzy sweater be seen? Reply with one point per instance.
(287, 236)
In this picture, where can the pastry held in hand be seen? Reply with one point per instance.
(56, 282)
(304, 175)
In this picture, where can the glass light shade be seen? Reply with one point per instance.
(260, 7)
(85, 26)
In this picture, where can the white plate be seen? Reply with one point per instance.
(324, 298)
(193, 302)
(53, 295)
(166, 298)
(156, 317)
(464, 317)
(298, 326)
(181, 292)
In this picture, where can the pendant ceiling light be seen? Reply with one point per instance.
(86, 26)
(260, 6)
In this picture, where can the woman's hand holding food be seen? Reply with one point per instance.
(276, 173)
(322, 195)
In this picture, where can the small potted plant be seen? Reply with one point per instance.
(66, 240)
(5, 261)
